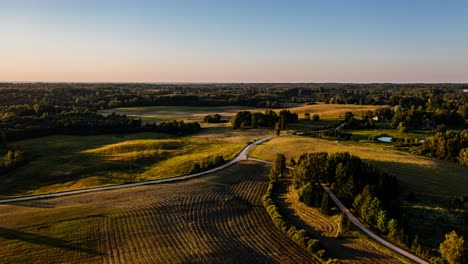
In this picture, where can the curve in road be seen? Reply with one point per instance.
(241, 156)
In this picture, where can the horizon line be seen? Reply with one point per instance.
(233, 82)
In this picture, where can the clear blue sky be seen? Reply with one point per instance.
(234, 41)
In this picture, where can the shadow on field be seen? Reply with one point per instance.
(335, 247)
(66, 170)
(11, 234)
(35, 204)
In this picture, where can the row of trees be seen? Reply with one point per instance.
(216, 118)
(173, 127)
(207, 163)
(268, 119)
(86, 123)
(331, 134)
(451, 146)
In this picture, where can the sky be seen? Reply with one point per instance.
(234, 41)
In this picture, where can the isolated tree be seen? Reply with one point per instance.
(452, 248)
(316, 117)
(307, 116)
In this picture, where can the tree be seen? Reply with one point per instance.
(278, 168)
(463, 157)
(307, 116)
(324, 207)
(277, 129)
(316, 117)
(452, 248)
(393, 230)
(382, 221)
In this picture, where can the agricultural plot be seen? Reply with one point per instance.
(186, 113)
(197, 113)
(347, 249)
(214, 219)
(332, 111)
(61, 163)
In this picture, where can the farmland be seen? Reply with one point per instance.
(217, 218)
(63, 163)
(347, 249)
(328, 112)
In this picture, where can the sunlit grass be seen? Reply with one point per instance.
(61, 163)
(415, 173)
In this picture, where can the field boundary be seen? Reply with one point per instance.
(242, 155)
(362, 227)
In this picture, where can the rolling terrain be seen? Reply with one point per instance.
(217, 218)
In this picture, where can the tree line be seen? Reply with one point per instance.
(207, 163)
(246, 119)
(451, 146)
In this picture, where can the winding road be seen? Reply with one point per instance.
(241, 156)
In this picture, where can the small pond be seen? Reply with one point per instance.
(385, 139)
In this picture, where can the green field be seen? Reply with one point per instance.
(415, 173)
(61, 163)
(364, 134)
(197, 113)
(186, 113)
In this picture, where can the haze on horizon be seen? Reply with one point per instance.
(234, 41)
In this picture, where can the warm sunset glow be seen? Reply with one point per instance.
(239, 41)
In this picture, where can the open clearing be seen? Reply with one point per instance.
(347, 250)
(415, 173)
(332, 111)
(186, 113)
(197, 113)
(214, 219)
(62, 163)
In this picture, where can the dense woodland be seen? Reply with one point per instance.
(35, 109)
(451, 146)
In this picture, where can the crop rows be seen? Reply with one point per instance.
(222, 225)
(347, 250)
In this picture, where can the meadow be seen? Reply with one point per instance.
(415, 173)
(329, 112)
(61, 163)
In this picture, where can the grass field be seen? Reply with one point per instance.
(186, 113)
(63, 163)
(197, 113)
(332, 111)
(213, 219)
(415, 173)
(363, 134)
(432, 180)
